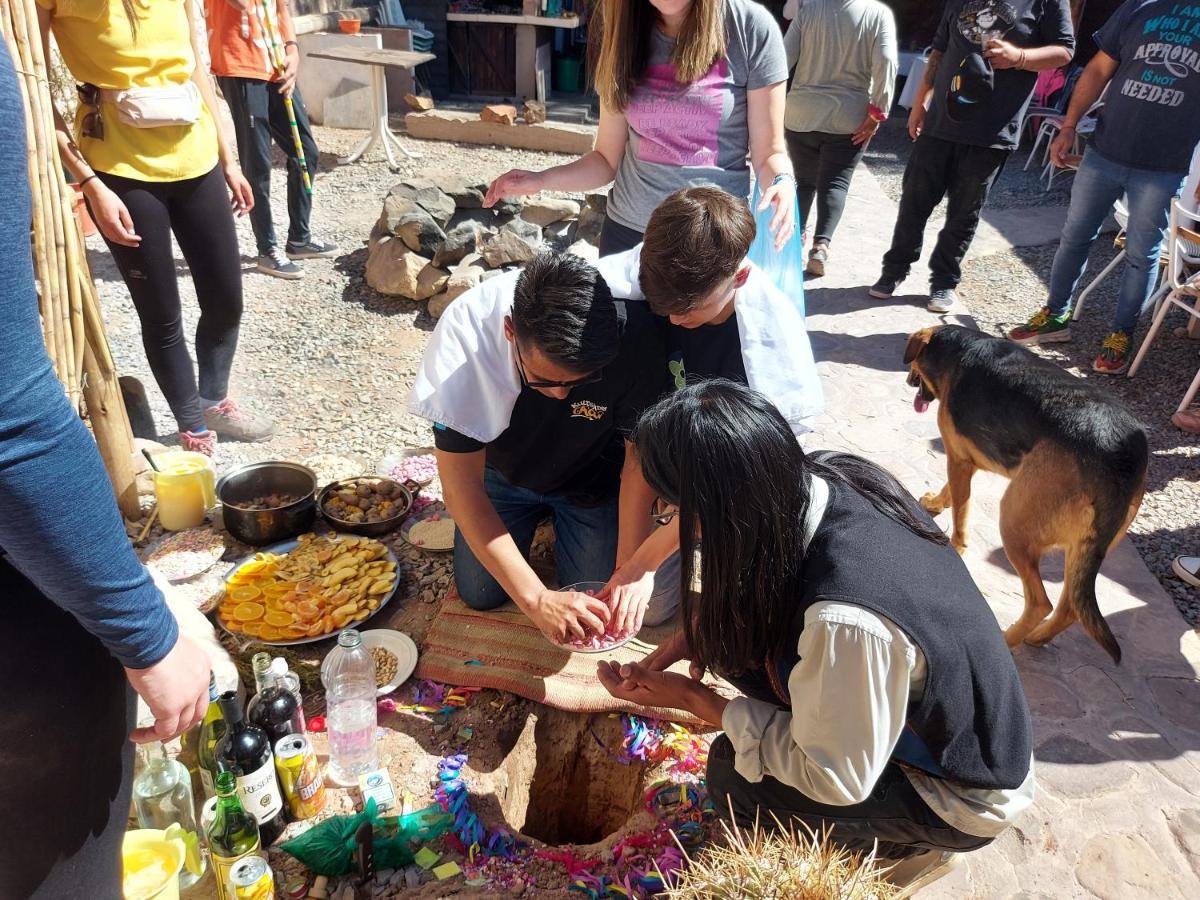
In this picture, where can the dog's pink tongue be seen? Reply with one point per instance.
(920, 404)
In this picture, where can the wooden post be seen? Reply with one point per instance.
(110, 425)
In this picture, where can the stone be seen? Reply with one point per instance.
(517, 242)
(597, 201)
(534, 112)
(1122, 866)
(404, 217)
(548, 210)
(585, 250)
(461, 280)
(550, 137)
(491, 273)
(461, 240)
(428, 195)
(499, 114)
(589, 225)
(1185, 828)
(393, 269)
(430, 280)
(417, 103)
(1068, 767)
(1177, 700)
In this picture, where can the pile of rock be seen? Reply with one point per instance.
(434, 240)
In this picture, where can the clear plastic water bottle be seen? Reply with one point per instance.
(350, 715)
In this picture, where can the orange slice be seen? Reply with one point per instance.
(245, 594)
(278, 619)
(308, 610)
(267, 633)
(254, 629)
(292, 632)
(248, 612)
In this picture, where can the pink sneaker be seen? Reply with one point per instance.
(205, 442)
(231, 421)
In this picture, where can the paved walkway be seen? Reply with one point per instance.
(1117, 747)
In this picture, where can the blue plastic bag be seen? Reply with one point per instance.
(785, 267)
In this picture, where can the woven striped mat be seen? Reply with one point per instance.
(502, 649)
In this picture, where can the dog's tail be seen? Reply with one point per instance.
(1081, 589)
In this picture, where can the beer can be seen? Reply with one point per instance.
(251, 879)
(299, 776)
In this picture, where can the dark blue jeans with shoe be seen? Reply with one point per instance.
(585, 546)
(260, 116)
(1099, 183)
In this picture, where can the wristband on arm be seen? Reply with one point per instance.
(876, 114)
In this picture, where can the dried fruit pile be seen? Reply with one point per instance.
(322, 585)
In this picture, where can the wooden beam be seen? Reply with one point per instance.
(553, 137)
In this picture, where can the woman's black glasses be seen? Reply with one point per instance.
(92, 125)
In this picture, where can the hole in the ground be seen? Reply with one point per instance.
(563, 787)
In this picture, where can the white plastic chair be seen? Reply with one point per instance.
(1183, 282)
(1052, 124)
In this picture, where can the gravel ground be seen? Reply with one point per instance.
(999, 289)
(1016, 188)
(327, 357)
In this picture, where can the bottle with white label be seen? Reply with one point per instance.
(245, 750)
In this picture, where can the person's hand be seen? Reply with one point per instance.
(241, 197)
(670, 652)
(564, 615)
(916, 120)
(287, 78)
(111, 215)
(865, 131)
(628, 596)
(1063, 145)
(514, 183)
(1002, 54)
(782, 195)
(646, 687)
(176, 690)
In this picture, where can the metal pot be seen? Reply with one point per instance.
(268, 526)
(408, 491)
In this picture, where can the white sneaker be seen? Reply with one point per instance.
(1188, 569)
(922, 870)
(942, 300)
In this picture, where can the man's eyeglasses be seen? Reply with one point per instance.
(578, 382)
(92, 125)
(662, 512)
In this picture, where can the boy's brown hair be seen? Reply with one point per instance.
(696, 238)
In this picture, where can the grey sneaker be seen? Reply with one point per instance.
(278, 265)
(942, 300)
(312, 249)
(817, 257)
(230, 421)
(883, 288)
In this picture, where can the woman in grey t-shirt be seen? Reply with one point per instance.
(688, 89)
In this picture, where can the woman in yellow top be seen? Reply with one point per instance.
(154, 159)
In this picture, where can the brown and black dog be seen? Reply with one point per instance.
(1075, 456)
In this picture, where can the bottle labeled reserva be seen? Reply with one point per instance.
(233, 834)
(212, 729)
(246, 751)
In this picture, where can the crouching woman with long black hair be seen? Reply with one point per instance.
(880, 701)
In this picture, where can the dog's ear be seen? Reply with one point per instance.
(916, 343)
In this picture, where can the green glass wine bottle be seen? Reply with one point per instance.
(233, 833)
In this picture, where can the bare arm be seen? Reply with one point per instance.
(1003, 55)
(769, 157)
(558, 614)
(593, 170)
(916, 115)
(634, 507)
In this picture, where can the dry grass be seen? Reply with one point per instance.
(779, 865)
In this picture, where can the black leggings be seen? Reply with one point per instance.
(824, 164)
(197, 211)
(617, 238)
(894, 814)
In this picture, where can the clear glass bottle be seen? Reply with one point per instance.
(289, 679)
(350, 713)
(212, 729)
(162, 796)
(274, 708)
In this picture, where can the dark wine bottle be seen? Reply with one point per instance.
(274, 708)
(245, 750)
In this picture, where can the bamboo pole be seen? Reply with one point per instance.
(72, 324)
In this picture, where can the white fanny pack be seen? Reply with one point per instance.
(156, 107)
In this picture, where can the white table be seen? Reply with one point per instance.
(377, 61)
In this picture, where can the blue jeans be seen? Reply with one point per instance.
(585, 546)
(1098, 185)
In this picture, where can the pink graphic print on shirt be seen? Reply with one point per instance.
(678, 125)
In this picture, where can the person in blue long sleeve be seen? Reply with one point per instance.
(83, 624)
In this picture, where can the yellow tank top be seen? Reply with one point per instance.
(99, 48)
